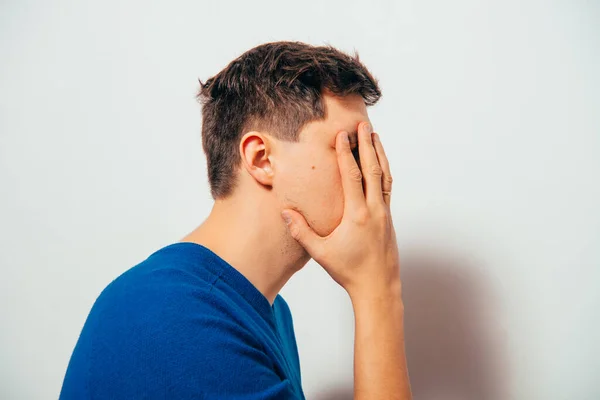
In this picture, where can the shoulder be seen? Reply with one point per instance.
(166, 334)
(154, 300)
(151, 312)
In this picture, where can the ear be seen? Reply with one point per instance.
(255, 151)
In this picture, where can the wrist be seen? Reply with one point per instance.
(376, 293)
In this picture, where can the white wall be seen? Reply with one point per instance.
(490, 114)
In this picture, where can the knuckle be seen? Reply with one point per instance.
(361, 216)
(381, 215)
(389, 179)
(375, 170)
(295, 232)
(355, 174)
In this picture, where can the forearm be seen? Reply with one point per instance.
(380, 370)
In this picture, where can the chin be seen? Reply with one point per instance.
(326, 230)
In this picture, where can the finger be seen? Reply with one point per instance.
(351, 175)
(386, 177)
(304, 234)
(371, 169)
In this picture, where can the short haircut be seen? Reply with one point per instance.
(275, 87)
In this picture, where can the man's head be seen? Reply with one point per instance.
(269, 122)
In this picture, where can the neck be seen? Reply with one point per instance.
(252, 237)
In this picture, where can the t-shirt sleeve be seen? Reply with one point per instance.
(189, 355)
(234, 365)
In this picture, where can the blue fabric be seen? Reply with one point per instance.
(184, 324)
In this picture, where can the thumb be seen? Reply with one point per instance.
(300, 230)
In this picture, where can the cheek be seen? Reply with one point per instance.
(312, 184)
(299, 181)
(328, 191)
(333, 186)
(325, 174)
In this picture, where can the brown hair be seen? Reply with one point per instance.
(275, 87)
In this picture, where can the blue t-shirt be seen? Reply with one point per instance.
(185, 324)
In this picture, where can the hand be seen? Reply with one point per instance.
(362, 250)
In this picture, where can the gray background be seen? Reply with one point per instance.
(490, 116)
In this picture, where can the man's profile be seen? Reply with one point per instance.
(284, 129)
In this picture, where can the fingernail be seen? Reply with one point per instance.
(286, 217)
(367, 127)
(345, 138)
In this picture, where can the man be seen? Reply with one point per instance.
(202, 318)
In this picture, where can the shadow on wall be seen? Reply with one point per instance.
(453, 341)
(337, 394)
(454, 345)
